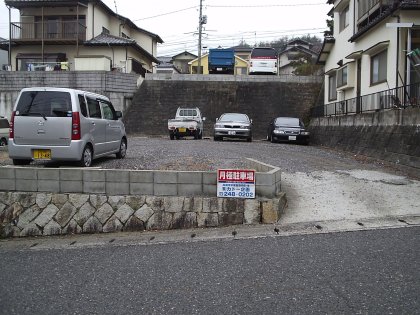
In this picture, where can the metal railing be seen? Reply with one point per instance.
(48, 30)
(397, 98)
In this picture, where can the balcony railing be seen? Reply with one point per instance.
(48, 31)
(398, 98)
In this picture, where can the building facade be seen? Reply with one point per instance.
(367, 52)
(77, 35)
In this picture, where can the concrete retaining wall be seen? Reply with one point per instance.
(157, 100)
(48, 201)
(119, 87)
(36, 214)
(235, 78)
(392, 135)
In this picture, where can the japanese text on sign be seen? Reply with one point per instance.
(236, 183)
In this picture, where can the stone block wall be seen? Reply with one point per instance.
(392, 135)
(156, 101)
(36, 213)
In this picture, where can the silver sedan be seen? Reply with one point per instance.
(233, 125)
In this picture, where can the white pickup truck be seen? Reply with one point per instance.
(187, 122)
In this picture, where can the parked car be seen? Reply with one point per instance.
(4, 131)
(187, 122)
(233, 125)
(59, 124)
(287, 129)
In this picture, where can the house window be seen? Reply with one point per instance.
(105, 30)
(332, 87)
(342, 77)
(344, 18)
(378, 68)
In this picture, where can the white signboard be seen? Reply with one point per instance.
(236, 183)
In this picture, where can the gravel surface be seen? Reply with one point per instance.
(187, 154)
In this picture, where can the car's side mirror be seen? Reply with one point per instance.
(250, 121)
(118, 114)
(204, 119)
(217, 119)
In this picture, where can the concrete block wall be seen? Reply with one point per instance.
(117, 86)
(392, 135)
(41, 214)
(128, 182)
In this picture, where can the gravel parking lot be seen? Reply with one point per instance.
(186, 154)
(321, 184)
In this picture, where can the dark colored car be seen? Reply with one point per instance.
(288, 129)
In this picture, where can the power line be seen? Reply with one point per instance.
(167, 13)
(264, 5)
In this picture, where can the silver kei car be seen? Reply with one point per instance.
(59, 124)
(233, 125)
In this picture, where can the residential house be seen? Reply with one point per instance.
(180, 61)
(166, 65)
(366, 56)
(78, 35)
(296, 50)
(243, 52)
(3, 57)
(241, 65)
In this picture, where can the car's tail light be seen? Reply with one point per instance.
(12, 126)
(75, 126)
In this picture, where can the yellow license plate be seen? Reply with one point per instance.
(182, 129)
(42, 154)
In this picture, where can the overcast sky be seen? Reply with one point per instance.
(229, 21)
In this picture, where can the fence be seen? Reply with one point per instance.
(397, 98)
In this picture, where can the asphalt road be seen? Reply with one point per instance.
(364, 272)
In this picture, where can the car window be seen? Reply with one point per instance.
(44, 103)
(94, 108)
(286, 121)
(83, 106)
(108, 110)
(234, 117)
(188, 112)
(4, 123)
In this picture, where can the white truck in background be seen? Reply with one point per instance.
(187, 122)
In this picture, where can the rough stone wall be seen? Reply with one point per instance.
(392, 135)
(119, 87)
(156, 101)
(36, 214)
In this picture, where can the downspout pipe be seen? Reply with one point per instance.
(10, 38)
(398, 48)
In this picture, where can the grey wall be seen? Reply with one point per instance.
(157, 100)
(119, 87)
(392, 135)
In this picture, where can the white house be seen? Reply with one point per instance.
(85, 34)
(366, 57)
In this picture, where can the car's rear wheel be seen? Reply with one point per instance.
(3, 142)
(21, 162)
(86, 160)
(123, 149)
(171, 136)
(249, 139)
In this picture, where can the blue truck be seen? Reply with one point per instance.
(221, 61)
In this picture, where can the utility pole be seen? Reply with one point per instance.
(200, 28)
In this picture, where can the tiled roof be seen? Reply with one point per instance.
(105, 39)
(110, 40)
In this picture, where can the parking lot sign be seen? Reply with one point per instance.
(236, 183)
